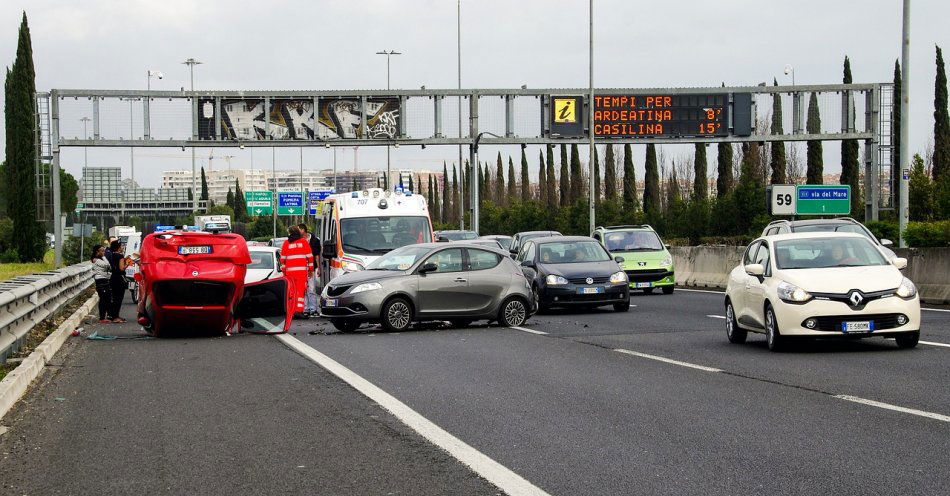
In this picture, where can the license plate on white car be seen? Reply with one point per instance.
(329, 303)
(194, 250)
(591, 290)
(863, 326)
(643, 285)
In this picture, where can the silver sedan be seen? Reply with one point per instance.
(459, 282)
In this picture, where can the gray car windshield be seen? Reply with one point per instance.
(844, 228)
(819, 253)
(632, 241)
(377, 235)
(261, 260)
(572, 252)
(399, 259)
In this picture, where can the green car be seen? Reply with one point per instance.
(646, 260)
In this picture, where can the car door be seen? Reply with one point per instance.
(266, 306)
(739, 281)
(445, 290)
(756, 286)
(486, 283)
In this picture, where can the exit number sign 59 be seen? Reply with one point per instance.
(783, 199)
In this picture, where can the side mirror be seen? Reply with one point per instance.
(887, 242)
(756, 270)
(618, 259)
(528, 263)
(900, 263)
(513, 251)
(428, 267)
(666, 245)
(328, 250)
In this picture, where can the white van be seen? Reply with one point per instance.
(359, 227)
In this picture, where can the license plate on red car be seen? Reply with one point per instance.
(194, 250)
(861, 326)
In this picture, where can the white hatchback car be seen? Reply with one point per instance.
(265, 264)
(820, 285)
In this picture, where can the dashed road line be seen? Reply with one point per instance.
(532, 331)
(931, 343)
(700, 290)
(480, 463)
(888, 406)
(723, 317)
(667, 360)
(936, 310)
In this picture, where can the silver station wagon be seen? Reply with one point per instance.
(459, 282)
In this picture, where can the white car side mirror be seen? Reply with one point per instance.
(755, 270)
(887, 242)
(899, 262)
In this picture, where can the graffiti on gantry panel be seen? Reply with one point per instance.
(291, 120)
(342, 118)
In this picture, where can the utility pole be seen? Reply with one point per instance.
(85, 164)
(590, 120)
(191, 63)
(131, 132)
(388, 54)
(462, 183)
(85, 150)
(903, 209)
(273, 169)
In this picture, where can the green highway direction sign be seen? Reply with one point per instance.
(79, 207)
(809, 199)
(259, 203)
(290, 203)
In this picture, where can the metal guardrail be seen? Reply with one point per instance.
(25, 301)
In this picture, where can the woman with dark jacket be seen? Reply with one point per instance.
(102, 273)
(117, 279)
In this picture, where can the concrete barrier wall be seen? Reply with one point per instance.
(709, 267)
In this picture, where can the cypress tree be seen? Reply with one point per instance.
(542, 180)
(512, 184)
(356, 186)
(500, 181)
(651, 186)
(921, 203)
(596, 178)
(437, 198)
(446, 195)
(896, 135)
(20, 122)
(700, 180)
(525, 182)
(578, 191)
(724, 179)
(229, 199)
(454, 214)
(240, 204)
(565, 193)
(467, 175)
(553, 197)
(777, 162)
(814, 171)
(204, 185)
(610, 174)
(850, 170)
(631, 203)
(941, 157)
(750, 192)
(482, 184)
(429, 197)
(411, 185)
(379, 182)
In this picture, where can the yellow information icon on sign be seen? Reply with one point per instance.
(565, 110)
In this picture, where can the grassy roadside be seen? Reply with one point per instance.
(11, 270)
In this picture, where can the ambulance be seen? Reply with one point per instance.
(359, 227)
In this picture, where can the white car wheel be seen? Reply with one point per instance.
(733, 332)
(772, 335)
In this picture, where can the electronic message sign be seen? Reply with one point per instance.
(686, 115)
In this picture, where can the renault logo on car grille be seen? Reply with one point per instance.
(855, 298)
(590, 280)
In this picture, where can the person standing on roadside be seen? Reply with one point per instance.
(310, 300)
(108, 247)
(117, 279)
(102, 273)
(297, 260)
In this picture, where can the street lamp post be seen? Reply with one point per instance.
(474, 179)
(151, 73)
(388, 54)
(191, 63)
(85, 150)
(462, 184)
(903, 206)
(85, 164)
(131, 131)
(790, 70)
(590, 120)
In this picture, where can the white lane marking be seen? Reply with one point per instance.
(494, 472)
(723, 317)
(700, 290)
(532, 331)
(931, 343)
(936, 310)
(888, 406)
(667, 360)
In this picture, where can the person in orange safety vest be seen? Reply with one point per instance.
(297, 261)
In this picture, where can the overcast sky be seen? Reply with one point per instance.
(319, 44)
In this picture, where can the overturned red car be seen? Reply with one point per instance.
(193, 282)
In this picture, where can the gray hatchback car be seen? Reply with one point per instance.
(459, 282)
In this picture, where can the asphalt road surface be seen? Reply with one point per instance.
(652, 401)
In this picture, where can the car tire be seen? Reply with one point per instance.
(733, 332)
(773, 336)
(622, 307)
(907, 340)
(668, 290)
(648, 291)
(539, 306)
(345, 325)
(396, 315)
(513, 312)
(461, 322)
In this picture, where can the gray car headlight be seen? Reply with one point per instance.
(792, 293)
(618, 277)
(907, 289)
(667, 261)
(554, 280)
(366, 286)
(351, 266)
